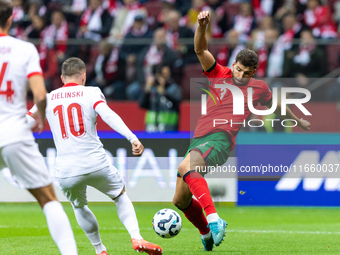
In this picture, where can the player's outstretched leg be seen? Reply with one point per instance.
(89, 224)
(57, 221)
(199, 188)
(127, 216)
(193, 211)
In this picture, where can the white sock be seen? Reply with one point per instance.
(127, 215)
(88, 222)
(206, 236)
(60, 228)
(212, 217)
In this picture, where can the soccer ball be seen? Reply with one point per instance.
(167, 223)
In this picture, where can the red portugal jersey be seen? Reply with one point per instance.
(218, 74)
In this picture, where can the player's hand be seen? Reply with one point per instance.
(203, 18)
(304, 124)
(137, 148)
(39, 123)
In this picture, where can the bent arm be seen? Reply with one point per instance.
(200, 42)
(39, 92)
(114, 121)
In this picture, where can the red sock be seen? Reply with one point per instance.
(194, 214)
(199, 188)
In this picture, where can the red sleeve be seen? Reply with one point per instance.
(217, 71)
(266, 95)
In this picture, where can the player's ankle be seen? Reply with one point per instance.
(212, 217)
(206, 236)
(99, 248)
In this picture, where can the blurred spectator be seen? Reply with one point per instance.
(105, 73)
(78, 6)
(161, 97)
(219, 19)
(336, 15)
(36, 8)
(73, 9)
(175, 33)
(33, 31)
(181, 5)
(258, 35)
(17, 29)
(95, 23)
(158, 53)
(227, 54)
(291, 29)
(296, 7)
(309, 61)
(191, 17)
(318, 17)
(244, 22)
(263, 8)
(53, 47)
(125, 18)
(166, 7)
(131, 52)
(112, 6)
(55, 36)
(271, 36)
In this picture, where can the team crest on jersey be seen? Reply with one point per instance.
(102, 97)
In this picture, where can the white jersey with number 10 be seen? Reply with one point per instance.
(72, 118)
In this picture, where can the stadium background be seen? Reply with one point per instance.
(118, 45)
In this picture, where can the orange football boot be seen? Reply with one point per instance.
(103, 253)
(140, 245)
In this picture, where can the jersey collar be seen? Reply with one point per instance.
(3, 34)
(71, 84)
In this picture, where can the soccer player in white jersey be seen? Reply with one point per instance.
(81, 160)
(19, 62)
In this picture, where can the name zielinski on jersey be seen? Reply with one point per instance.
(62, 95)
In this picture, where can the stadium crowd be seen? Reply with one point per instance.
(126, 44)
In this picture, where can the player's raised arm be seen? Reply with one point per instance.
(39, 93)
(200, 41)
(116, 123)
(304, 124)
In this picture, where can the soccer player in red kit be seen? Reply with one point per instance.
(212, 145)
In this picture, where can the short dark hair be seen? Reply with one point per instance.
(72, 66)
(6, 10)
(248, 58)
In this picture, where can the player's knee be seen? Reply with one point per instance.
(44, 195)
(183, 168)
(176, 202)
(180, 203)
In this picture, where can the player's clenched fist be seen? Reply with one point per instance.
(304, 124)
(203, 18)
(137, 148)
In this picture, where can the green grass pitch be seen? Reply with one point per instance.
(251, 230)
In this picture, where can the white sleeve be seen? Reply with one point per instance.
(29, 118)
(97, 97)
(33, 64)
(114, 121)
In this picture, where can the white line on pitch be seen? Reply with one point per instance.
(227, 230)
(284, 232)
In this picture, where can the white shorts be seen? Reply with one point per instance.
(26, 164)
(106, 180)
